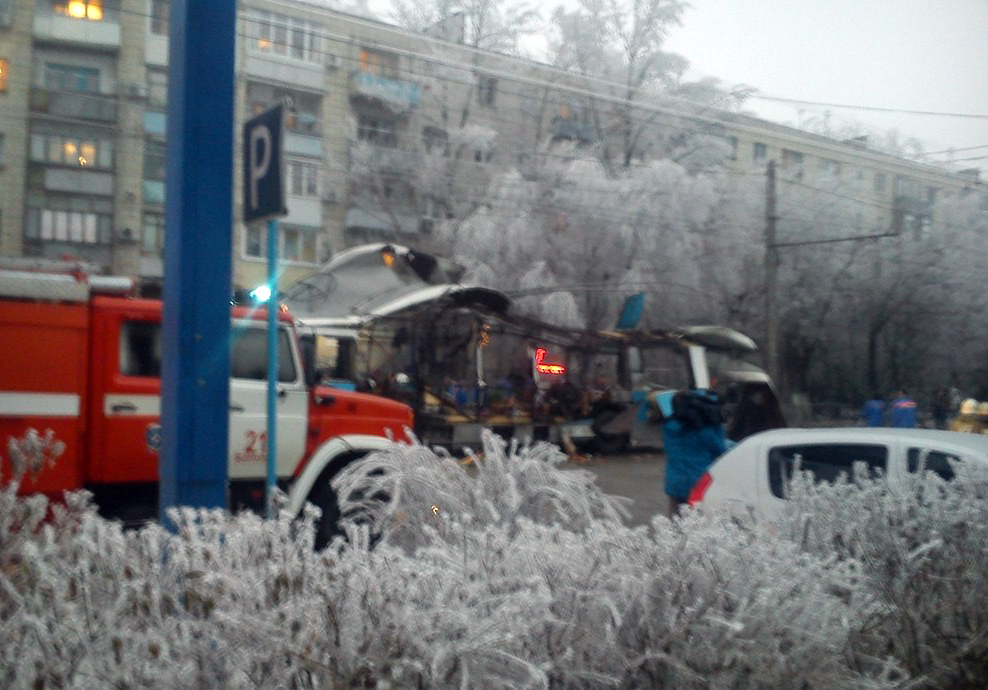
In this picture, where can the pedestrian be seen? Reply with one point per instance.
(941, 408)
(873, 412)
(903, 411)
(693, 437)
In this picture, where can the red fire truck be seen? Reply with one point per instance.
(80, 356)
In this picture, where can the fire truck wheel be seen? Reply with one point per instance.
(326, 500)
(324, 497)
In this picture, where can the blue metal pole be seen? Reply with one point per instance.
(272, 364)
(195, 382)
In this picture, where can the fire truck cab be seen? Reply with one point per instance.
(81, 357)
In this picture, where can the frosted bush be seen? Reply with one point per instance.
(922, 546)
(510, 481)
(523, 576)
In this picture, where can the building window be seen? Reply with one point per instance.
(81, 9)
(907, 187)
(376, 130)
(733, 143)
(298, 244)
(830, 167)
(791, 158)
(295, 244)
(880, 182)
(154, 160)
(157, 87)
(2, 141)
(381, 64)
(303, 179)
(85, 153)
(159, 17)
(486, 91)
(153, 233)
(68, 226)
(4, 69)
(254, 242)
(760, 151)
(60, 77)
(921, 227)
(279, 34)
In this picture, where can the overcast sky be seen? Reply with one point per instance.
(897, 54)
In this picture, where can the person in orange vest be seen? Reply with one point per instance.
(903, 411)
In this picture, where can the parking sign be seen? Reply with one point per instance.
(264, 166)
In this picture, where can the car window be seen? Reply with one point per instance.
(827, 461)
(932, 460)
(249, 355)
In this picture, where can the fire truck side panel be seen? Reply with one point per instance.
(337, 412)
(125, 390)
(43, 350)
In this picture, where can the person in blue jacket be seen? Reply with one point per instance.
(873, 412)
(693, 435)
(903, 412)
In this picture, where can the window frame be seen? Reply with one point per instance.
(255, 369)
(307, 239)
(487, 91)
(60, 77)
(940, 464)
(283, 35)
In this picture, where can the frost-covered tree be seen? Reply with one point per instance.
(495, 25)
(957, 352)
(640, 107)
(573, 227)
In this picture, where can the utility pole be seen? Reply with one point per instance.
(771, 263)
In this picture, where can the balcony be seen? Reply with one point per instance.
(307, 75)
(379, 220)
(82, 106)
(78, 182)
(303, 145)
(105, 33)
(303, 211)
(394, 95)
(155, 123)
(153, 191)
(385, 159)
(156, 50)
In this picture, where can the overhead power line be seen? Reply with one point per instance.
(849, 106)
(958, 150)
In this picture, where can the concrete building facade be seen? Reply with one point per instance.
(83, 89)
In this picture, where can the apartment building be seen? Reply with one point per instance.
(83, 90)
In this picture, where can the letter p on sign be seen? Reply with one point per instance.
(264, 191)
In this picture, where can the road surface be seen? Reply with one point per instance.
(636, 475)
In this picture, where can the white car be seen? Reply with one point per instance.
(755, 472)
